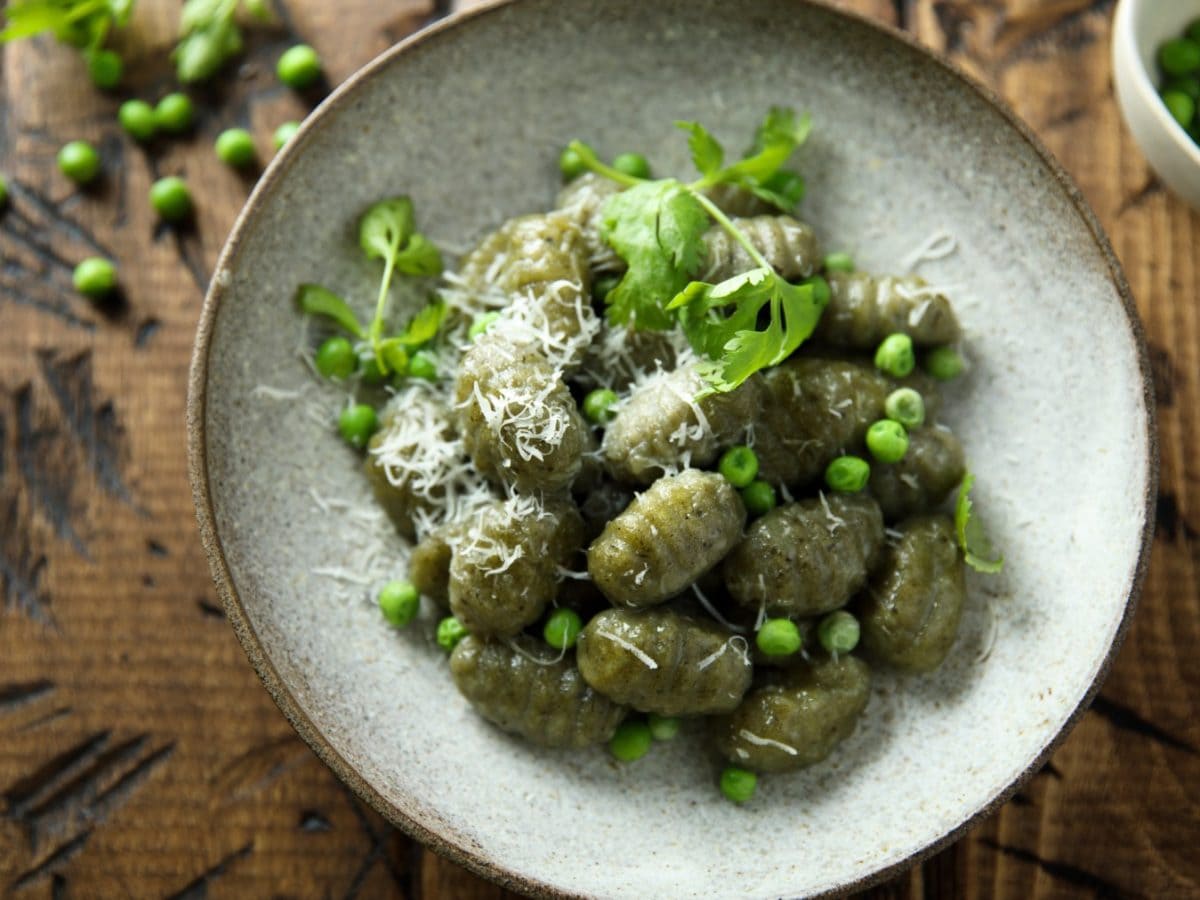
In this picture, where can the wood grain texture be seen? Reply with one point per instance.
(139, 755)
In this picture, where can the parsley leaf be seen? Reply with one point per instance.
(656, 227)
(81, 23)
(209, 37)
(423, 327)
(978, 552)
(733, 341)
(707, 153)
(419, 257)
(315, 300)
(761, 170)
(384, 227)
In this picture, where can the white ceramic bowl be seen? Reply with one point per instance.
(1138, 30)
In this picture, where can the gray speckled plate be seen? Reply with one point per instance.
(1056, 416)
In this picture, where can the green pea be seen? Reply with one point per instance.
(1181, 107)
(357, 423)
(632, 164)
(759, 497)
(739, 465)
(105, 68)
(1187, 84)
(449, 632)
(571, 164)
(887, 440)
(95, 277)
(562, 628)
(944, 363)
(336, 358)
(895, 355)
(779, 637)
(284, 133)
(738, 784)
(598, 406)
(839, 262)
(602, 286)
(235, 147)
(137, 118)
(399, 602)
(663, 728)
(905, 406)
(174, 113)
(820, 286)
(631, 741)
(1193, 30)
(423, 365)
(79, 161)
(848, 474)
(838, 632)
(299, 67)
(171, 199)
(1179, 56)
(3, 191)
(481, 323)
(787, 184)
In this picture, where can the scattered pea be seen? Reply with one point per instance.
(887, 440)
(602, 286)
(481, 323)
(838, 632)
(284, 133)
(1179, 56)
(299, 67)
(895, 355)
(632, 164)
(848, 474)
(571, 164)
(562, 628)
(449, 632)
(95, 277)
(357, 423)
(1181, 107)
(663, 728)
(336, 358)
(839, 262)
(739, 465)
(235, 147)
(399, 602)
(1193, 30)
(138, 120)
(779, 637)
(631, 741)
(423, 365)
(759, 497)
(174, 113)
(79, 161)
(738, 784)
(171, 199)
(1186, 84)
(944, 363)
(788, 185)
(598, 406)
(905, 406)
(105, 68)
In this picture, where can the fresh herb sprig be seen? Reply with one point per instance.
(387, 232)
(977, 549)
(80, 23)
(658, 226)
(209, 37)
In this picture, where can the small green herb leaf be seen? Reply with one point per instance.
(385, 226)
(419, 257)
(707, 153)
(423, 327)
(656, 227)
(315, 300)
(208, 38)
(395, 357)
(978, 552)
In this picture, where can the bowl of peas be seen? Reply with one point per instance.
(1156, 68)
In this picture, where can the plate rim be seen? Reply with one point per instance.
(197, 462)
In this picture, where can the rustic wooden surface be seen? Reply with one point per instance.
(140, 757)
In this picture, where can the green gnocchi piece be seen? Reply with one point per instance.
(662, 661)
(429, 565)
(931, 469)
(622, 355)
(790, 246)
(796, 717)
(660, 429)
(506, 562)
(544, 701)
(806, 558)
(583, 199)
(669, 536)
(863, 310)
(910, 615)
(737, 202)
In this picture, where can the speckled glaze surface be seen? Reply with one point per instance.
(1055, 415)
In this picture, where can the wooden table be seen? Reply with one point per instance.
(139, 755)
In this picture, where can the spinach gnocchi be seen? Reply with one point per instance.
(645, 454)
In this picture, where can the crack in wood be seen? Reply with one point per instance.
(15, 696)
(21, 569)
(61, 855)
(146, 329)
(45, 471)
(210, 610)
(53, 716)
(313, 820)
(1067, 872)
(377, 840)
(1151, 187)
(198, 888)
(52, 214)
(258, 768)
(1163, 373)
(1054, 30)
(1126, 719)
(22, 794)
(1051, 770)
(1169, 522)
(154, 548)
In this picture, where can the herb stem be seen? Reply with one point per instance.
(592, 162)
(723, 220)
(389, 265)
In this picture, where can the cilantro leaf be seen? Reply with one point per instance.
(733, 342)
(707, 153)
(384, 227)
(780, 125)
(81, 23)
(423, 327)
(656, 227)
(419, 257)
(315, 300)
(208, 36)
(978, 552)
